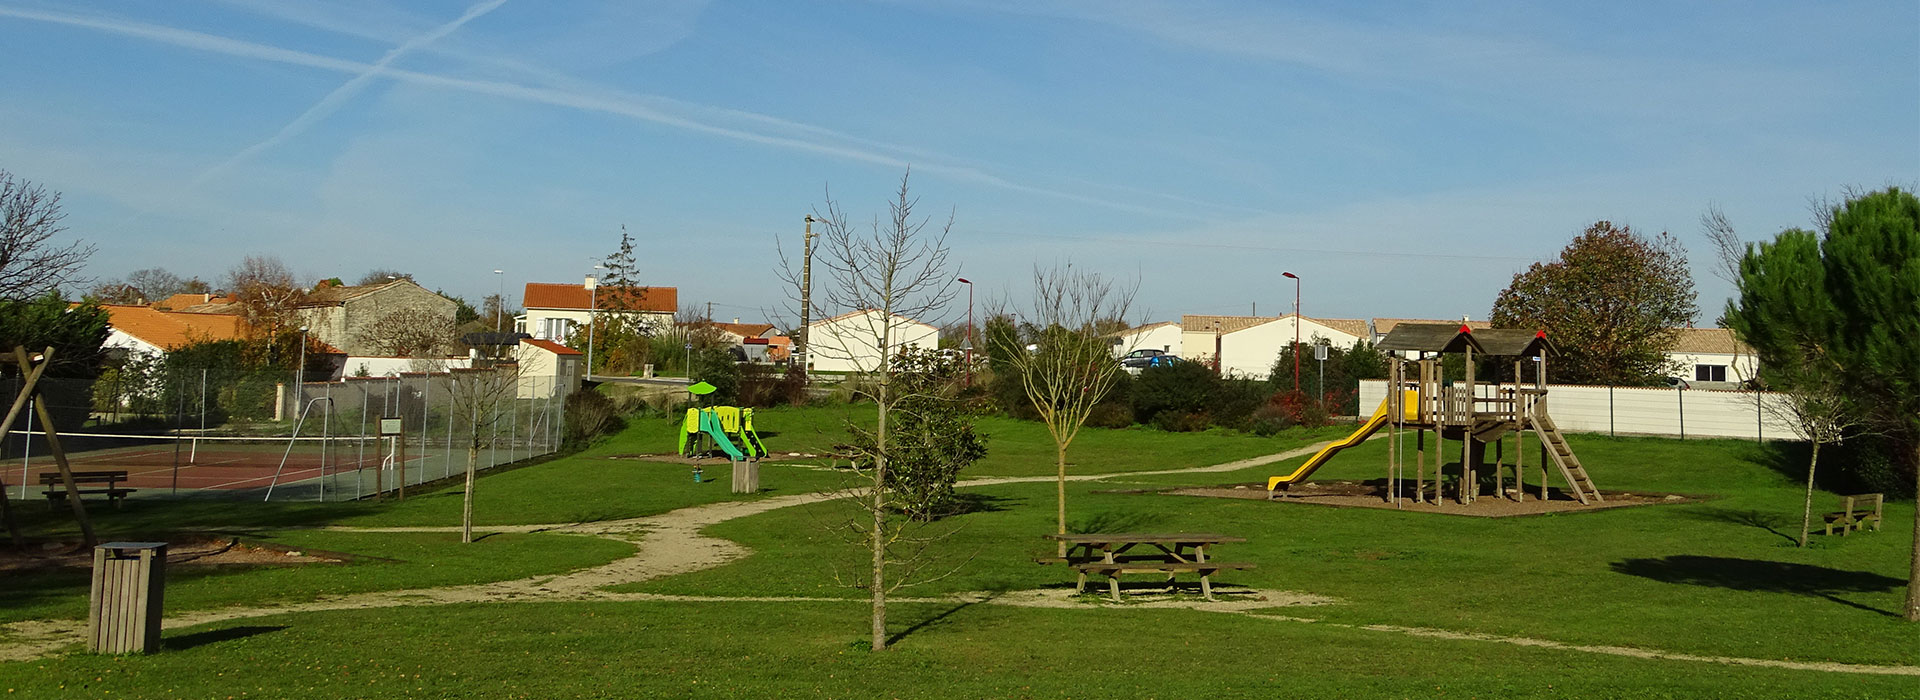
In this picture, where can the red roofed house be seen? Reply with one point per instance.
(555, 310)
(548, 369)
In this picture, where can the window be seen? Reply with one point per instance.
(1709, 373)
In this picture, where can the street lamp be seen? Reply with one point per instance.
(499, 299)
(967, 343)
(1296, 327)
(593, 306)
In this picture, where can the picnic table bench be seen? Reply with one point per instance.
(57, 487)
(1850, 518)
(1114, 554)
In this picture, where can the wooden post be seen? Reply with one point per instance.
(66, 470)
(30, 378)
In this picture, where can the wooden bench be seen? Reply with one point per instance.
(1850, 518)
(57, 487)
(1206, 570)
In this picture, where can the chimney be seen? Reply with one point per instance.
(736, 322)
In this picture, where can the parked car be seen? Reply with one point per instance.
(1147, 357)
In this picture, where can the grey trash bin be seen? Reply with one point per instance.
(129, 579)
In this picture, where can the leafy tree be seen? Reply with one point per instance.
(1872, 260)
(716, 366)
(32, 262)
(1785, 314)
(76, 334)
(933, 436)
(622, 280)
(463, 311)
(1612, 302)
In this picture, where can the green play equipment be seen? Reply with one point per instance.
(728, 429)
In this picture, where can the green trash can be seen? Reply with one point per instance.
(129, 582)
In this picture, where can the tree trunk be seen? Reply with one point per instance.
(1913, 572)
(1806, 509)
(1060, 495)
(879, 513)
(466, 507)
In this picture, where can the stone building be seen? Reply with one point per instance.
(340, 316)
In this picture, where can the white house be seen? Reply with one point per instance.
(548, 369)
(849, 342)
(1251, 351)
(1711, 356)
(1200, 334)
(1163, 336)
(554, 310)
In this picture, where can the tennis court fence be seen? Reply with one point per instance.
(206, 434)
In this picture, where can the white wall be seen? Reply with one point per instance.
(1251, 352)
(1165, 338)
(848, 344)
(1641, 411)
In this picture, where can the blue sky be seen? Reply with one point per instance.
(1404, 159)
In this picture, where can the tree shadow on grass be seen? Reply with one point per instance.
(189, 641)
(1771, 522)
(935, 620)
(1762, 577)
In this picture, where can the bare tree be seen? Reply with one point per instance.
(1823, 415)
(883, 275)
(31, 261)
(412, 332)
(481, 397)
(1069, 366)
(382, 275)
(1728, 250)
(267, 292)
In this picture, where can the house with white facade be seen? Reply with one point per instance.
(549, 369)
(553, 311)
(1163, 336)
(1250, 352)
(1710, 358)
(849, 342)
(1200, 334)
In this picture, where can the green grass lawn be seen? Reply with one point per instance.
(1714, 577)
(783, 650)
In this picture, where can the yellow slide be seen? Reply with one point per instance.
(1380, 418)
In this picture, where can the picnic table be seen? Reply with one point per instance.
(1113, 554)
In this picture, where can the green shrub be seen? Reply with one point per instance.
(1180, 388)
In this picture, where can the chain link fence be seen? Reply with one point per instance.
(215, 432)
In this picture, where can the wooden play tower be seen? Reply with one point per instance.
(1479, 415)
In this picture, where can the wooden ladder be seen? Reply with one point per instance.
(1562, 453)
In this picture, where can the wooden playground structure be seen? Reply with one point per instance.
(1420, 399)
(1478, 415)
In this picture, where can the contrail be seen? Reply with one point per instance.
(332, 102)
(595, 101)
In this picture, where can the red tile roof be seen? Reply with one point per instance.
(550, 346)
(169, 330)
(541, 295)
(745, 330)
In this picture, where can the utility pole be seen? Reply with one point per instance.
(709, 311)
(800, 347)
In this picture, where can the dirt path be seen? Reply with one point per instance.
(672, 543)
